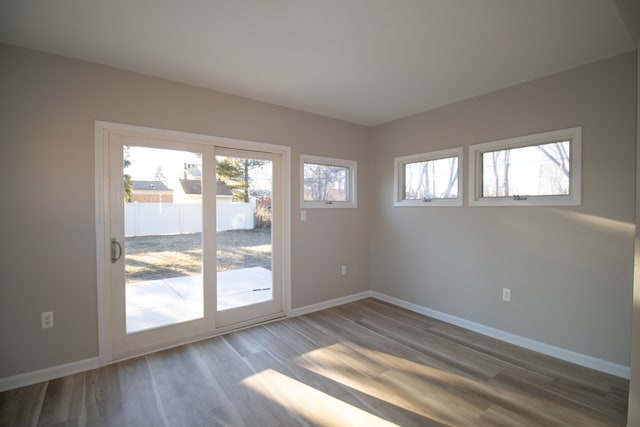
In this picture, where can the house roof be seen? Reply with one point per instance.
(191, 186)
(223, 189)
(364, 61)
(194, 186)
(149, 185)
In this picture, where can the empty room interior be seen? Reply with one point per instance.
(358, 212)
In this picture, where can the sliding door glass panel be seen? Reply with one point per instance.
(163, 237)
(243, 231)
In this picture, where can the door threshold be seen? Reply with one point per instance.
(216, 333)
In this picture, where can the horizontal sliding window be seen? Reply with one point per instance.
(429, 179)
(541, 169)
(327, 182)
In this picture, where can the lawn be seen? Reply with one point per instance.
(164, 256)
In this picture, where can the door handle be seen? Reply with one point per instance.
(116, 251)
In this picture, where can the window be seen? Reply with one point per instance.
(541, 169)
(327, 183)
(429, 179)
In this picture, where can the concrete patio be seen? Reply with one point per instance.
(156, 303)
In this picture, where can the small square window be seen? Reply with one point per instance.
(327, 182)
(429, 179)
(541, 169)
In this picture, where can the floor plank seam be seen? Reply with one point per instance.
(367, 358)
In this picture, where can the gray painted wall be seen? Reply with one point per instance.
(634, 386)
(630, 13)
(47, 256)
(570, 269)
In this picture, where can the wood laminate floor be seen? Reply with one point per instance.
(366, 363)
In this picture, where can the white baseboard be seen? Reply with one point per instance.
(34, 377)
(328, 304)
(540, 347)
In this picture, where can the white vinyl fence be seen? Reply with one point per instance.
(146, 219)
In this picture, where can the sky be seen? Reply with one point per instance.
(145, 162)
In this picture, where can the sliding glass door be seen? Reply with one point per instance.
(194, 240)
(246, 250)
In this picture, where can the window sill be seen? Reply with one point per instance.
(325, 205)
(429, 204)
(528, 201)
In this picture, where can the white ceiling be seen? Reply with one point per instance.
(364, 61)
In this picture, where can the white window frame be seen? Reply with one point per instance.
(352, 167)
(574, 135)
(399, 162)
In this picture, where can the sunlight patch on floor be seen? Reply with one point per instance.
(308, 403)
(412, 386)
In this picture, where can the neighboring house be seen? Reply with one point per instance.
(223, 192)
(151, 192)
(193, 171)
(189, 187)
(190, 191)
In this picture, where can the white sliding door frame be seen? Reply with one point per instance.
(102, 199)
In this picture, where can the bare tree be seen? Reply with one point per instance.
(557, 153)
(409, 190)
(432, 193)
(494, 157)
(507, 154)
(426, 185)
(324, 182)
(159, 175)
(425, 180)
(501, 163)
(453, 176)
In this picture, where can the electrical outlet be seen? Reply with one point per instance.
(506, 294)
(46, 319)
(343, 270)
(303, 215)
